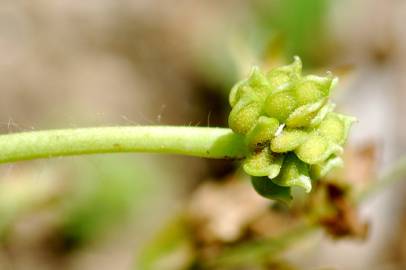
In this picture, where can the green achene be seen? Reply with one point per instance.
(290, 129)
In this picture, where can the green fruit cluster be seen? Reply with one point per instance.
(291, 131)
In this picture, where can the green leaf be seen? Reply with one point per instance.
(294, 173)
(173, 239)
(263, 163)
(266, 188)
(288, 140)
(263, 131)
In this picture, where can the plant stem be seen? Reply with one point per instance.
(192, 141)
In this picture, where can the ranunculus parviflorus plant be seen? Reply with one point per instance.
(282, 125)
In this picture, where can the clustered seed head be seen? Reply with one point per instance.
(291, 131)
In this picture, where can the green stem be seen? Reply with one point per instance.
(192, 141)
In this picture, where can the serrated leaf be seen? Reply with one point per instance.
(294, 172)
(263, 131)
(263, 163)
(288, 140)
(266, 188)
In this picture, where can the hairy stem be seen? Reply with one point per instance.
(192, 141)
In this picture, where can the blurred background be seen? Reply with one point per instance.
(71, 63)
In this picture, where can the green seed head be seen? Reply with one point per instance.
(290, 129)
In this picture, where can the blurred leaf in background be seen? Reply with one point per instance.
(171, 249)
(72, 202)
(107, 190)
(21, 192)
(267, 33)
(300, 24)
